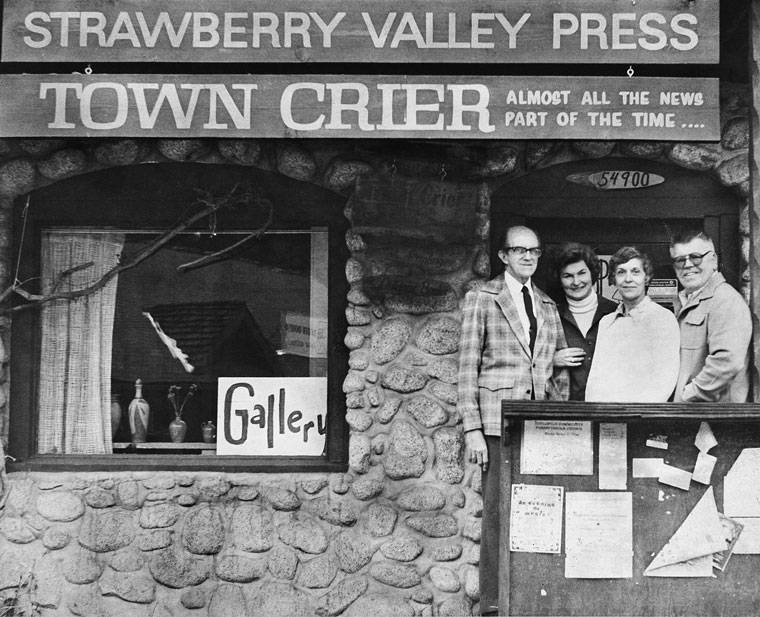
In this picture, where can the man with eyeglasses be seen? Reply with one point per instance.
(510, 332)
(715, 324)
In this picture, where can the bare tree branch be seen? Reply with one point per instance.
(210, 206)
(257, 234)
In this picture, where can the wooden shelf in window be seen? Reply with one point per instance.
(151, 446)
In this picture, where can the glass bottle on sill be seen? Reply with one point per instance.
(139, 413)
(115, 414)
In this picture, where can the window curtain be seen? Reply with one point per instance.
(75, 367)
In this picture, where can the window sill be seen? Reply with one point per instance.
(176, 462)
(186, 447)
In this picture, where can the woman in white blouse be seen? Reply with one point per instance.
(637, 350)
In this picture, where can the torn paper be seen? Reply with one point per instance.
(613, 456)
(658, 441)
(705, 440)
(699, 536)
(557, 447)
(535, 518)
(599, 535)
(731, 532)
(171, 344)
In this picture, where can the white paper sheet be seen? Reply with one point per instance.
(741, 489)
(703, 468)
(599, 535)
(535, 518)
(700, 535)
(613, 456)
(647, 467)
(749, 540)
(675, 477)
(557, 447)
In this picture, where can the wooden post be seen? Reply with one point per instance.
(754, 214)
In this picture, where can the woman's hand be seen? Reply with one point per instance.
(569, 357)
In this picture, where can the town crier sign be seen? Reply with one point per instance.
(369, 106)
(336, 31)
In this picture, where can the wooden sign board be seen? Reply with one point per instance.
(333, 31)
(415, 209)
(352, 106)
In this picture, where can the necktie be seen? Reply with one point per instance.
(531, 317)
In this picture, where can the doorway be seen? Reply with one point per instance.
(562, 210)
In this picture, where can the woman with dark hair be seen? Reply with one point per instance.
(576, 268)
(638, 345)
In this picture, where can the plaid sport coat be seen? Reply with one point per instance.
(495, 362)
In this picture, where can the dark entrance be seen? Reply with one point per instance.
(562, 211)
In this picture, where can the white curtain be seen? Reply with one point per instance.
(75, 367)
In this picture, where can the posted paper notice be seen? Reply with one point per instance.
(535, 518)
(613, 456)
(557, 447)
(599, 535)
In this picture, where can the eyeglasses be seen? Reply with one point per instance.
(679, 263)
(521, 250)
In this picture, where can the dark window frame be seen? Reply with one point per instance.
(126, 197)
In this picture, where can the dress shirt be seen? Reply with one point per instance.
(515, 290)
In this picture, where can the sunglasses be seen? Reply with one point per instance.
(679, 263)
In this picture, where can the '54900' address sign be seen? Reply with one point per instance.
(271, 416)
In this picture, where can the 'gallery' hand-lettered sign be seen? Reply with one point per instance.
(271, 416)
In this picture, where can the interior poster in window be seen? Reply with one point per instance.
(303, 335)
(271, 416)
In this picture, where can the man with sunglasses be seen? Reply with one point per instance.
(715, 323)
(510, 331)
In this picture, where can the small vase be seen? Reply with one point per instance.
(177, 430)
(139, 413)
(115, 414)
(209, 432)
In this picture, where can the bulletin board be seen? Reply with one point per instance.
(535, 583)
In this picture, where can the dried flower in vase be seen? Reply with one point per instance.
(173, 396)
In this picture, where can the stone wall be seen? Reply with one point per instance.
(398, 534)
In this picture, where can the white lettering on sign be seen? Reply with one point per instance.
(349, 107)
(203, 29)
(651, 31)
(113, 98)
(594, 31)
(371, 106)
(271, 416)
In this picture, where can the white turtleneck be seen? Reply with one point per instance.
(583, 311)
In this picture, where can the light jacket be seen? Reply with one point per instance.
(716, 332)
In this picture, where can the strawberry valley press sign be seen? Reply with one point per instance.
(335, 31)
(350, 106)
